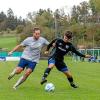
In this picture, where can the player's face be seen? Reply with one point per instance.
(66, 39)
(36, 34)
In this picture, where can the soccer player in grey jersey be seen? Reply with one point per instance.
(30, 56)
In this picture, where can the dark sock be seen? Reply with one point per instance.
(72, 82)
(46, 73)
(70, 79)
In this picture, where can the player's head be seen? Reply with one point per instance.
(67, 36)
(36, 33)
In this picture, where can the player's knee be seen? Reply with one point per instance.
(18, 71)
(28, 73)
(68, 74)
(51, 66)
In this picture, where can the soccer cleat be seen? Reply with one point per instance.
(43, 81)
(73, 85)
(10, 76)
(14, 87)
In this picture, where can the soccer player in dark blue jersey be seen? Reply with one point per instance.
(61, 48)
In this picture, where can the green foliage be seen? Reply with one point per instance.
(2, 16)
(10, 21)
(19, 29)
(45, 20)
(95, 5)
(86, 75)
(84, 20)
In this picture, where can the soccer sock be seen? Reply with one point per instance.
(72, 82)
(20, 81)
(13, 73)
(70, 79)
(46, 73)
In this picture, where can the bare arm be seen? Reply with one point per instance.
(14, 49)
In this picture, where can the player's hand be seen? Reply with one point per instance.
(46, 52)
(87, 56)
(10, 53)
(53, 44)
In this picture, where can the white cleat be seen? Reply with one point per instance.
(14, 87)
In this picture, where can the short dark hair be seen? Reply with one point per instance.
(36, 28)
(68, 34)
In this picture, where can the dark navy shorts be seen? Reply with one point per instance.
(60, 65)
(23, 63)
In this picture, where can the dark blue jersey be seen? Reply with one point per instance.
(61, 49)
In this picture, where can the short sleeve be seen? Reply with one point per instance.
(25, 42)
(46, 42)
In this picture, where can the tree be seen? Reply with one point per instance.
(3, 19)
(74, 14)
(11, 23)
(95, 4)
(44, 19)
(2, 16)
(95, 8)
(83, 10)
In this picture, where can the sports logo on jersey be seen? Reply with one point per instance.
(60, 43)
(67, 46)
(62, 49)
(35, 45)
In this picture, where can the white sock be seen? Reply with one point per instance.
(20, 81)
(13, 72)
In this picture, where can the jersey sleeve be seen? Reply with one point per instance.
(25, 42)
(46, 42)
(50, 44)
(74, 50)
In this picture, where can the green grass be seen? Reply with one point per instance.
(86, 75)
(7, 42)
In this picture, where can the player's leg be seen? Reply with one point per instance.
(29, 70)
(70, 79)
(51, 64)
(23, 78)
(61, 66)
(46, 73)
(19, 69)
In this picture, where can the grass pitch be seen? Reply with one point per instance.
(8, 42)
(86, 75)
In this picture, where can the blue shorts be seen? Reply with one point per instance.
(26, 63)
(60, 65)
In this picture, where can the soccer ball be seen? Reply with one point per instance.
(49, 87)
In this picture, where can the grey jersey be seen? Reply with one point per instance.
(33, 48)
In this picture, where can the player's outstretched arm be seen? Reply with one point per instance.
(14, 49)
(73, 49)
(87, 56)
